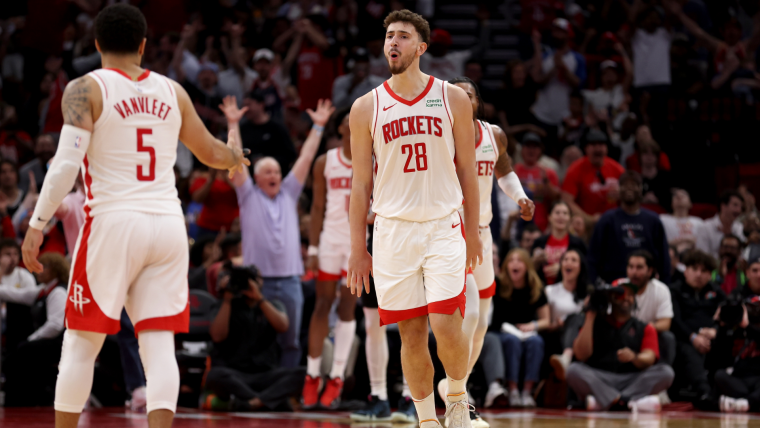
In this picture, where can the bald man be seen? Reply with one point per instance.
(270, 226)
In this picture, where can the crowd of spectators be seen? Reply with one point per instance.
(591, 110)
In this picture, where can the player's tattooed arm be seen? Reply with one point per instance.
(504, 162)
(77, 102)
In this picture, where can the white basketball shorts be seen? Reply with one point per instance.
(418, 268)
(132, 260)
(333, 258)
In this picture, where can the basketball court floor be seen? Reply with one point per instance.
(187, 418)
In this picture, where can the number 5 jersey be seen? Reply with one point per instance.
(129, 165)
(414, 151)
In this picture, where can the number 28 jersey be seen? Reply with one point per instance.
(129, 164)
(413, 144)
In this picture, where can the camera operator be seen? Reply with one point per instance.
(616, 356)
(245, 362)
(695, 301)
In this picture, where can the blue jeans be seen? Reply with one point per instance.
(514, 350)
(131, 365)
(288, 291)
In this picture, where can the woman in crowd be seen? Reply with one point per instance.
(657, 185)
(566, 299)
(520, 312)
(548, 249)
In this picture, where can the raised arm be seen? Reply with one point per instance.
(81, 105)
(233, 114)
(360, 262)
(205, 147)
(675, 8)
(311, 145)
(319, 199)
(464, 142)
(507, 179)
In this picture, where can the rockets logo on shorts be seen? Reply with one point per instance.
(78, 299)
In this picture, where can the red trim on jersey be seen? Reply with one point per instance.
(325, 276)
(377, 110)
(449, 306)
(340, 159)
(88, 184)
(392, 317)
(104, 83)
(171, 91)
(179, 323)
(489, 292)
(480, 139)
(414, 101)
(82, 311)
(443, 91)
(139, 78)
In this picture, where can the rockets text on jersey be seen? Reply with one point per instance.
(338, 175)
(130, 161)
(486, 154)
(413, 144)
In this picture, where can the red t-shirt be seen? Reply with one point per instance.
(220, 207)
(554, 250)
(583, 182)
(729, 282)
(537, 180)
(316, 74)
(633, 163)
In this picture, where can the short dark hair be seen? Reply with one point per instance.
(630, 175)
(338, 117)
(730, 236)
(9, 242)
(11, 163)
(418, 21)
(725, 197)
(644, 254)
(481, 105)
(696, 257)
(120, 29)
(530, 227)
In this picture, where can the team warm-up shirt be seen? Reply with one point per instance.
(338, 173)
(414, 151)
(130, 161)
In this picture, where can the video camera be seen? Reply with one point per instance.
(731, 311)
(602, 295)
(239, 276)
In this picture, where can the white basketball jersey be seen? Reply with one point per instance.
(130, 161)
(486, 154)
(414, 149)
(338, 175)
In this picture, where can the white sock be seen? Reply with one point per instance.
(456, 389)
(313, 366)
(376, 350)
(426, 409)
(406, 392)
(344, 337)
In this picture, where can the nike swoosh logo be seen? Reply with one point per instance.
(42, 219)
(455, 225)
(387, 108)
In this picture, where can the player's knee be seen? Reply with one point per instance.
(323, 304)
(414, 331)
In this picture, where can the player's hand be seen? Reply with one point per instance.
(312, 263)
(325, 109)
(474, 252)
(31, 249)
(527, 208)
(625, 355)
(230, 109)
(241, 162)
(359, 270)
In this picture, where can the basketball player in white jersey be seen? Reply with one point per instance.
(121, 126)
(329, 245)
(420, 131)
(492, 158)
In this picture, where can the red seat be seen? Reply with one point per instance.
(703, 211)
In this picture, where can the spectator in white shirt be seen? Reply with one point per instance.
(610, 96)
(13, 276)
(681, 228)
(724, 223)
(349, 87)
(238, 78)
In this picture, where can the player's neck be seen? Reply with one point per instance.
(345, 150)
(477, 129)
(410, 83)
(129, 64)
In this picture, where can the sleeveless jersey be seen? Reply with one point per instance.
(129, 165)
(486, 154)
(413, 144)
(338, 175)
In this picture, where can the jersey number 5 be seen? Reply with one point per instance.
(420, 157)
(151, 175)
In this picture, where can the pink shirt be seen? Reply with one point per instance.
(74, 218)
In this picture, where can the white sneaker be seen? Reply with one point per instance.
(592, 405)
(648, 404)
(139, 400)
(742, 405)
(559, 364)
(477, 421)
(458, 413)
(495, 392)
(727, 404)
(527, 400)
(515, 400)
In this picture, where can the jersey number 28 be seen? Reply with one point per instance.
(420, 157)
(141, 175)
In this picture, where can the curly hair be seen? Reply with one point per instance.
(420, 24)
(58, 265)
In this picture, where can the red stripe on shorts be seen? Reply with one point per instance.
(324, 276)
(179, 323)
(392, 317)
(489, 292)
(449, 306)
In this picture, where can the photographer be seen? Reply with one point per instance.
(617, 355)
(695, 301)
(245, 362)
